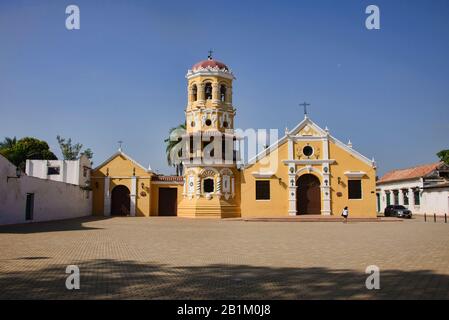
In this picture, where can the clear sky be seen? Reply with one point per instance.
(122, 75)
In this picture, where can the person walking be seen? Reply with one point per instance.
(345, 214)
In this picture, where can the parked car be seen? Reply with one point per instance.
(397, 211)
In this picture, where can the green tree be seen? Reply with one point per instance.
(72, 151)
(444, 156)
(88, 153)
(8, 143)
(172, 148)
(26, 148)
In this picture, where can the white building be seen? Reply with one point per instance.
(69, 171)
(30, 199)
(435, 199)
(409, 187)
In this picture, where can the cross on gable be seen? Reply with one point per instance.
(304, 104)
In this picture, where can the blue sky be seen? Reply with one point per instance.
(122, 75)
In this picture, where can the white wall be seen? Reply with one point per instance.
(52, 200)
(436, 200)
(409, 185)
(70, 171)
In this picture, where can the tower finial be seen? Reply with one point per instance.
(120, 145)
(209, 57)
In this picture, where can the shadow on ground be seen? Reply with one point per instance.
(51, 226)
(106, 279)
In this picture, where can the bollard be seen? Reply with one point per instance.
(425, 217)
(434, 217)
(445, 218)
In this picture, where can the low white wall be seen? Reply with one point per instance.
(52, 200)
(436, 200)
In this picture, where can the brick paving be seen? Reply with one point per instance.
(172, 258)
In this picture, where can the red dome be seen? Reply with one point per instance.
(210, 63)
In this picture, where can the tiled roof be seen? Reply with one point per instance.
(409, 173)
(168, 178)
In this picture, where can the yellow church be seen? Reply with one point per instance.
(306, 172)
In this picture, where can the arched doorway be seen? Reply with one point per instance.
(120, 201)
(308, 195)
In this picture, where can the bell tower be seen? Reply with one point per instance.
(211, 179)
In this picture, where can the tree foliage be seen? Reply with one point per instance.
(444, 156)
(72, 151)
(18, 151)
(172, 148)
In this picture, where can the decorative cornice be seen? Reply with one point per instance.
(210, 71)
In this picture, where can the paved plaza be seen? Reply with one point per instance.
(173, 258)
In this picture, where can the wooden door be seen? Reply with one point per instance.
(167, 201)
(120, 201)
(308, 195)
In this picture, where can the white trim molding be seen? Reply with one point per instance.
(262, 175)
(355, 174)
(309, 161)
(107, 197)
(132, 197)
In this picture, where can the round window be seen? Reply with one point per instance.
(208, 122)
(307, 151)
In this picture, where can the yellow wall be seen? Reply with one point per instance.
(278, 205)
(121, 170)
(366, 207)
(155, 196)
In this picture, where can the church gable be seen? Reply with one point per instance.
(120, 164)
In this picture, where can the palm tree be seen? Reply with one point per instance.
(8, 143)
(172, 142)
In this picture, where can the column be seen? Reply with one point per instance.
(107, 197)
(198, 187)
(326, 188)
(411, 199)
(201, 95)
(215, 93)
(292, 189)
(218, 186)
(400, 197)
(132, 197)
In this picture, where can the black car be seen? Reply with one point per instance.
(397, 211)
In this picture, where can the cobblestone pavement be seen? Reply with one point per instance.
(165, 258)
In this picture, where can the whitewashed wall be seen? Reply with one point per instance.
(436, 200)
(399, 185)
(71, 171)
(52, 200)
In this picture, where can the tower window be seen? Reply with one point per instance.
(225, 124)
(223, 93)
(208, 91)
(208, 185)
(194, 92)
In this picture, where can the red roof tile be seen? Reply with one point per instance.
(210, 63)
(409, 173)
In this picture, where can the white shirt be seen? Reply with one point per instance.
(345, 213)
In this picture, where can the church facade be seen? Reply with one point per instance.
(306, 172)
